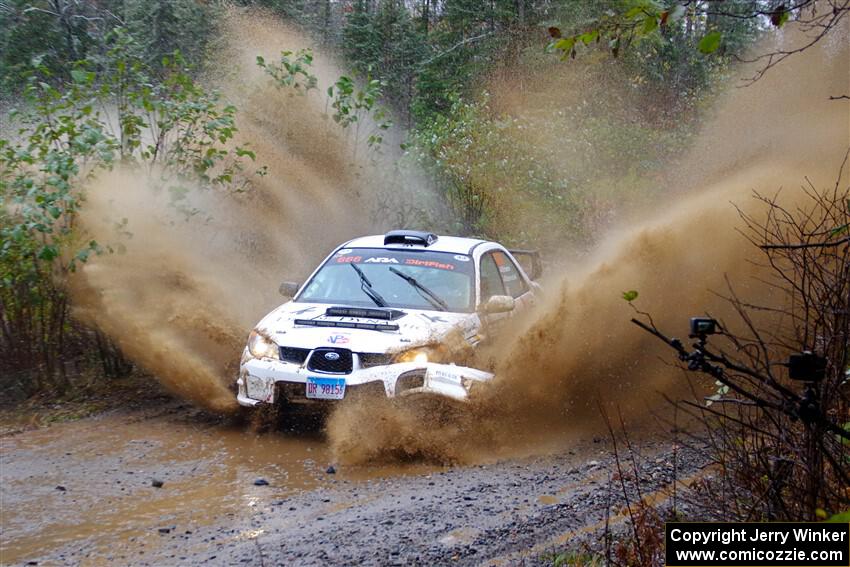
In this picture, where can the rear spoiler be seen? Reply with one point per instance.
(530, 262)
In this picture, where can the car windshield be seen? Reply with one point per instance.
(435, 281)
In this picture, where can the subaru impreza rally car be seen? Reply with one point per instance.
(392, 315)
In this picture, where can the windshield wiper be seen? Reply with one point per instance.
(366, 286)
(432, 297)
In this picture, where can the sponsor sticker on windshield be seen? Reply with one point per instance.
(349, 259)
(381, 257)
(428, 264)
(381, 261)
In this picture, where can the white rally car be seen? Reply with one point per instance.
(392, 315)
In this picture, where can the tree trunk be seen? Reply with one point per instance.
(426, 16)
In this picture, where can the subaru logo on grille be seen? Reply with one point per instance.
(331, 356)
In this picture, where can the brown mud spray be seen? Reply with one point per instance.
(183, 297)
(578, 350)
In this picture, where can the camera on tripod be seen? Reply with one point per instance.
(703, 326)
(806, 366)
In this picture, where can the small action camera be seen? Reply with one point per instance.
(702, 326)
(806, 366)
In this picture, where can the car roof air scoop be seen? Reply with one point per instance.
(417, 237)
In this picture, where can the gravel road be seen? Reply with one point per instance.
(175, 487)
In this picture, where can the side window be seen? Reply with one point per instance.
(514, 283)
(491, 281)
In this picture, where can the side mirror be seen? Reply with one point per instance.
(288, 289)
(498, 304)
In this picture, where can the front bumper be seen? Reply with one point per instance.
(261, 381)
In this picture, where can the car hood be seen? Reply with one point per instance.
(415, 327)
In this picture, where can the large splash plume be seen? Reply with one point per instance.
(182, 296)
(185, 293)
(578, 350)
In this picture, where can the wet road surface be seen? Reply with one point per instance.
(88, 485)
(82, 493)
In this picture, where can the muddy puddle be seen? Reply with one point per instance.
(88, 486)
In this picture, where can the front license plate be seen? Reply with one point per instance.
(325, 388)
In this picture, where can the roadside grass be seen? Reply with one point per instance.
(574, 559)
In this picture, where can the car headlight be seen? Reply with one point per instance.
(421, 355)
(261, 347)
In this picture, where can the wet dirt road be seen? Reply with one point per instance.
(81, 493)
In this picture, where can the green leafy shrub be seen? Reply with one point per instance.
(292, 70)
(113, 110)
